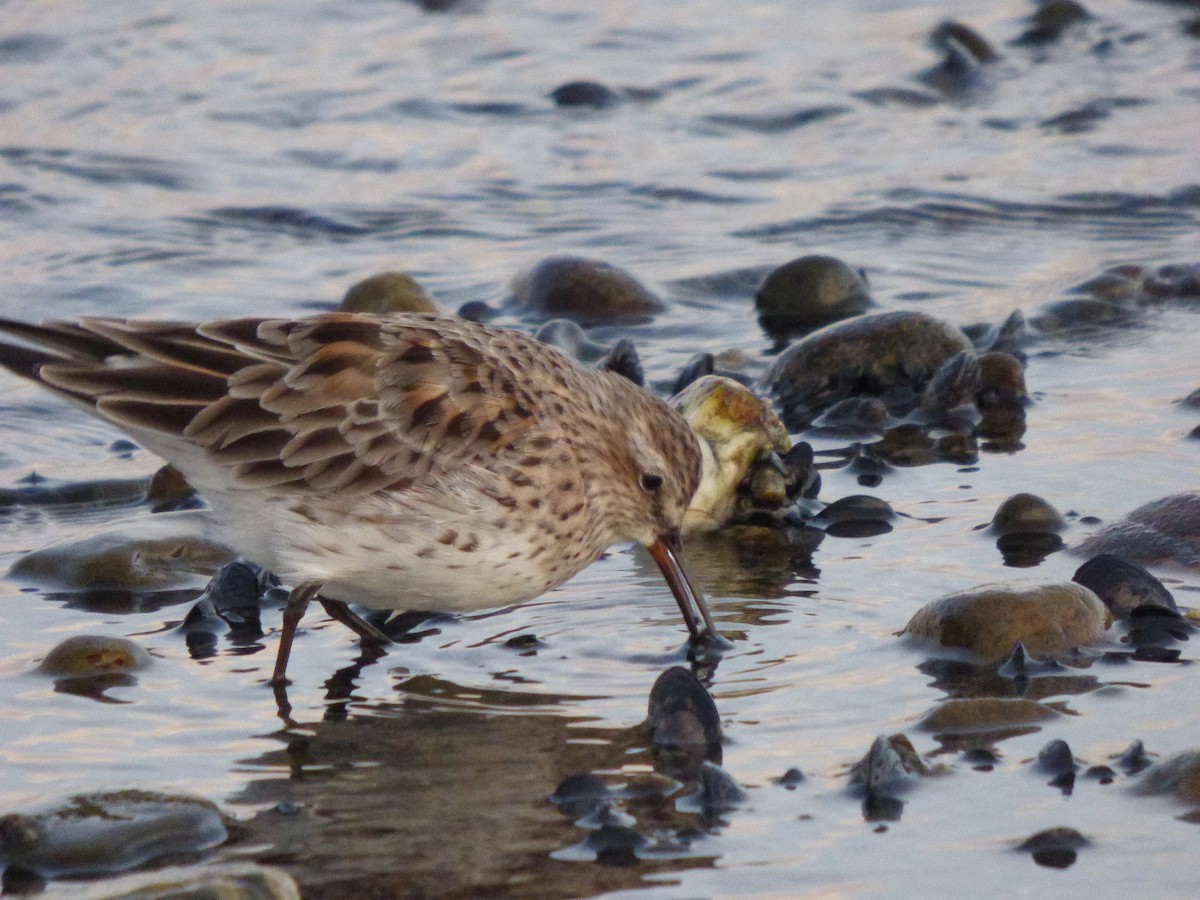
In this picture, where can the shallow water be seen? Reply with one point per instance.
(238, 158)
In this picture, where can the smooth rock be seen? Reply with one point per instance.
(169, 489)
(1049, 618)
(225, 881)
(587, 291)
(890, 355)
(585, 93)
(1123, 586)
(1055, 848)
(890, 766)
(1177, 775)
(984, 714)
(85, 654)
(809, 292)
(108, 832)
(681, 712)
(170, 550)
(388, 292)
(1161, 531)
(1025, 514)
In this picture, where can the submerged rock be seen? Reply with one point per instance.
(585, 93)
(890, 766)
(1177, 775)
(681, 712)
(891, 355)
(1123, 586)
(84, 655)
(587, 291)
(170, 550)
(965, 51)
(859, 515)
(809, 292)
(228, 881)
(1055, 848)
(739, 433)
(1026, 513)
(388, 292)
(1051, 21)
(985, 715)
(717, 791)
(1161, 531)
(1027, 527)
(580, 794)
(1049, 618)
(108, 832)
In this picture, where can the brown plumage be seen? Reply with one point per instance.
(404, 461)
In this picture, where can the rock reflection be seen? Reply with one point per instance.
(417, 797)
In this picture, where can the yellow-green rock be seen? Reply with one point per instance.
(738, 431)
(388, 292)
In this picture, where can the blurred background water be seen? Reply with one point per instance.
(247, 158)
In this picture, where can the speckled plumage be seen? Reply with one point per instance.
(403, 461)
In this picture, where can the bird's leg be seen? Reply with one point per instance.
(293, 612)
(340, 612)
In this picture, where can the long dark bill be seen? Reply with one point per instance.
(665, 551)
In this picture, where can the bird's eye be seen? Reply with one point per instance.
(651, 482)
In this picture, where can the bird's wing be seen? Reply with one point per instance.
(330, 403)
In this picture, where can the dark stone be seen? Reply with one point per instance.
(1122, 585)
(681, 712)
(588, 291)
(585, 93)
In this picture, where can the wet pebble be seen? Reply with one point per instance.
(1157, 627)
(230, 603)
(858, 515)
(578, 795)
(681, 712)
(84, 655)
(169, 490)
(615, 844)
(1057, 761)
(1122, 585)
(891, 355)
(965, 51)
(984, 715)
(1166, 530)
(1024, 513)
(167, 551)
(791, 779)
(1048, 618)
(890, 766)
(622, 359)
(37, 491)
(1134, 759)
(717, 791)
(587, 291)
(585, 93)
(388, 292)
(1055, 848)
(226, 881)
(1178, 776)
(809, 292)
(1051, 21)
(108, 832)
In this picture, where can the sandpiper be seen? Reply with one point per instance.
(406, 461)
